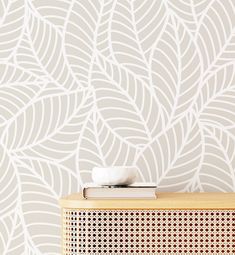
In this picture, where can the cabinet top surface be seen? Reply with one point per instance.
(163, 201)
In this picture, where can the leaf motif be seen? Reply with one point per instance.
(217, 171)
(214, 85)
(11, 235)
(6, 226)
(39, 199)
(55, 11)
(11, 28)
(220, 111)
(9, 191)
(125, 44)
(103, 33)
(99, 146)
(51, 135)
(26, 58)
(216, 36)
(13, 99)
(80, 38)
(147, 25)
(171, 160)
(62, 180)
(215, 103)
(190, 12)
(17, 89)
(175, 71)
(149, 20)
(46, 43)
(89, 83)
(11, 74)
(135, 113)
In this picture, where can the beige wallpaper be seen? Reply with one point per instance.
(87, 83)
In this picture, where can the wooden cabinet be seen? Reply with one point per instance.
(174, 223)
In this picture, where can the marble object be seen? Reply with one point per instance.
(114, 175)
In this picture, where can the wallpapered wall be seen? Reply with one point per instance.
(86, 83)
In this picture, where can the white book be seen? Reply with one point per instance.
(138, 190)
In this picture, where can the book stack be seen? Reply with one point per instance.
(133, 191)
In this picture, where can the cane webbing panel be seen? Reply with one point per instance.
(105, 232)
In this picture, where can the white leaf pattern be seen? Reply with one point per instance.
(9, 191)
(50, 131)
(18, 88)
(50, 55)
(11, 27)
(216, 35)
(27, 58)
(176, 70)
(190, 12)
(218, 161)
(148, 23)
(54, 11)
(125, 44)
(44, 202)
(53, 174)
(172, 158)
(110, 82)
(130, 110)
(12, 242)
(216, 98)
(80, 37)
(98, 146)
(103, 31)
